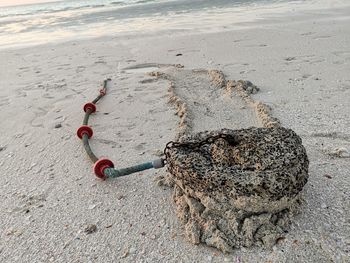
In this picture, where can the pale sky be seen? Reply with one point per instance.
(22, 2)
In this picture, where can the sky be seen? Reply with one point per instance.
(21, 2)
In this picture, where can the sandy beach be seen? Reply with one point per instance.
(300, 61)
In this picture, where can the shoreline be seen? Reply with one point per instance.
(243, 17)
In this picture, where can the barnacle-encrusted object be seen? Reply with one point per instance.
(236, 188)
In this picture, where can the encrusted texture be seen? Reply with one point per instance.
(232, 187)
(240, 189)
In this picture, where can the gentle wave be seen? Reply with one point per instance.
(91, 18)
(63, 6)
(117, 3)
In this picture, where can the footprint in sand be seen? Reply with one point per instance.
(343, 55)
(38, 120)
(308, 33)
(55, 85)
(332, 135)
(4, 101)
(107, 142)
(311, 59)
(140, 147)
(337, 144)
(27, 203)
(101, 61)
(80, 69)
(146, 81)
(47, 96)
(321, 37)
(20, 93)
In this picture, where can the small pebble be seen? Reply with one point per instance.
(289, 58)
(58, 125)
(91, 228)
(120, 197)
(92, 206)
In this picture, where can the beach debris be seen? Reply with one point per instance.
(232, 188)
(125, 253)
(237, 188)
(104, 168)
(178, 54)
(90, 228)
(340, 152)
(246, 85)
(128, 251)
(58, 125)
(2, 148)
(14, 232)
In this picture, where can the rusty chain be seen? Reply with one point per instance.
(197, 145)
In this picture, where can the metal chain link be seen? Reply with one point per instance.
(197, 145)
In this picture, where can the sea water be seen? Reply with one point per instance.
(73, 19)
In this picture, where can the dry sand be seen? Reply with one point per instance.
(50, 198)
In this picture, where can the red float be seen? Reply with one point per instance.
(90, 106)
(100, 166)
(84, 130)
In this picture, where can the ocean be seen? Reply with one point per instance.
(72, 19)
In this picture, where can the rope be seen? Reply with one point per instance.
(88, 112)
(104, 168)
(88, 149)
